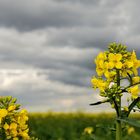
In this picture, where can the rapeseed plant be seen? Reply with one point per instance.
(112, 67)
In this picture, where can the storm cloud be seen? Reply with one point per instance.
(47, 48)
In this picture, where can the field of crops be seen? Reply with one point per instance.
(75, 126)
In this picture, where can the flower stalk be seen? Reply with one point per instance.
(118, 122)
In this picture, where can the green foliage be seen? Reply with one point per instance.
(71, 126)
(8, 101)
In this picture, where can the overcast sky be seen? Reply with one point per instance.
(47, 48)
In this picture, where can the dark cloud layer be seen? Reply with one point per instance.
(34, 14)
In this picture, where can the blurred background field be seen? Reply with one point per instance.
(71, 126)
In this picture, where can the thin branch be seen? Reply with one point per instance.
(131, 82)
(116, 106)
(125, 89)
(100, 102)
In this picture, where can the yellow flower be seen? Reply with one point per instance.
(88, 130)
(110, 65)
(6, 126)
(24, 134)
(128, 64)
(135, 71)
(133, 56)
(95, 82)
(100, 67)
(134, 91)
(110, 75)
(102, 86)
(136, 79)
(23, 111)
(115, 60)
(11, 108)
(101, 56)
(23, 126)
(100, 59)
(136, 62)
(14, 132)
(13, 126)
(130, 130)
(99, 83)
(3, 113)
(124, 72)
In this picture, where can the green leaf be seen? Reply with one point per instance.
(130, 121)
(138, 105)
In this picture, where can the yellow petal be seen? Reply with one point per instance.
(111, 56)
(134, 91)
(13, 126)
(118, 65)
(12, 107)
(133, 56)
(3, 113)
(129, 64)
(107, 74)
(101, 56)
(6, 126)
(136, 63)
(111, 65)
(99, 71)
(135, 71)
(136, 79)
(118, 57)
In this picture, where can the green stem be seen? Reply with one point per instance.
(116, 107)
(118, 122)
(118, 130)
(118, 84)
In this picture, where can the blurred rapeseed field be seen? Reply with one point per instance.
(75, 126)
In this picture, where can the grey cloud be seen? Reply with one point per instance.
(82, 37)
(31, 15)
(41, 93)
(63, 62)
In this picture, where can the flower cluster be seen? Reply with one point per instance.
(13, 122)
(114, 65)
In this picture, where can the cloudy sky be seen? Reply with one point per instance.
(47, 48)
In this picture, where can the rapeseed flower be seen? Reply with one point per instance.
(88, 130)
(136, 79)
(134, 91)
(13, 123)
(3, 113)
(12, 107)
(115, 60)
(99, 83)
